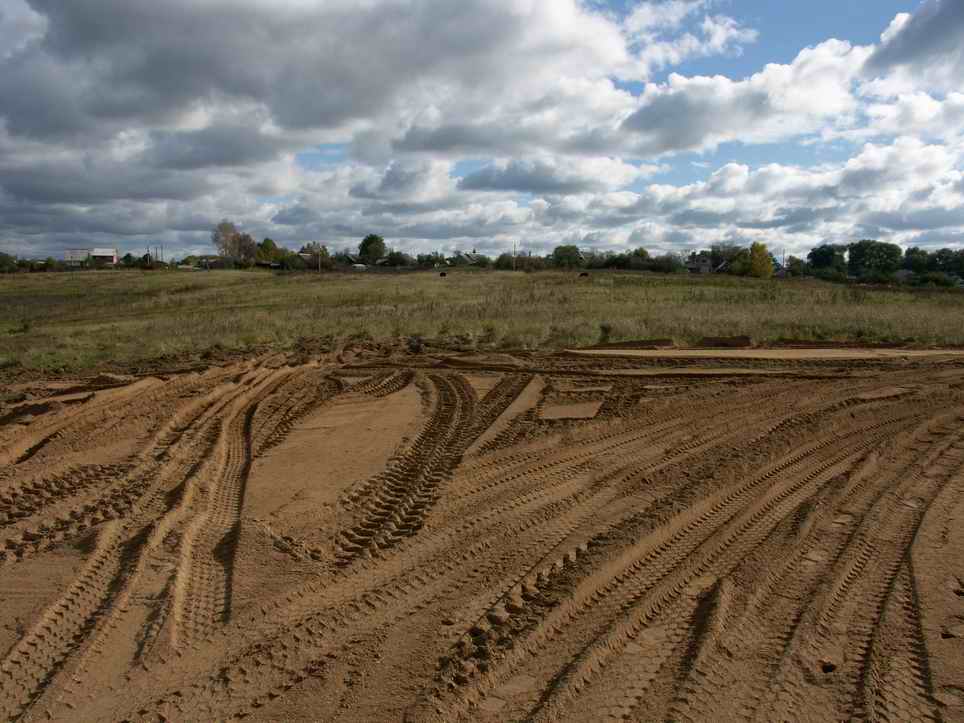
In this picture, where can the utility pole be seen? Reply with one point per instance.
(513, 255)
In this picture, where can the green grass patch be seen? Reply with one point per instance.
(81, 320)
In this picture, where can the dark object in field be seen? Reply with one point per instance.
(584, 274)
(726, 342)
(443, 274)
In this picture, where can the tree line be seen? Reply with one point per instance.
(866, 260)
(881, 262)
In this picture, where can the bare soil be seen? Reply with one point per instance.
(371, 536)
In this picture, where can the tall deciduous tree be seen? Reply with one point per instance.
(566, 257)
(371, 248)
(869, 257)
(761, 263)
(225, 237)
(828, 256)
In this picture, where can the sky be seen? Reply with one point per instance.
(480, 124)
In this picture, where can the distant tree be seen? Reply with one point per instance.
(398, 258)
(567, 257)
(268, 251)
(225, 239)
(430, 261)
(290, 261)
(371, 248)
(945, 261)
(504, 262)
(247, 249)
(797, 266)
(668, 263)
(128, 260)
(873, 258)
(761, 263)
(828, 256)
(916, 260)
(8, 263)
(483, 261)
(596, 260)
(639, 259)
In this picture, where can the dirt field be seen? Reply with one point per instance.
(379, 536)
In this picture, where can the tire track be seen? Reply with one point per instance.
(399, 498)
(38, 656)
(698, 557)
(602, 597)
(803, 555)
(645, 605)
(202, 587)
(68, 623)
(845, 615)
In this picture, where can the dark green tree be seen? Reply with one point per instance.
(371, 248)
(828, 256)
(667, 264)
(398, 258)
(567, 257)
(945, 260)
(504, 262)
(916, 260)
(268, 251)
(873, 258)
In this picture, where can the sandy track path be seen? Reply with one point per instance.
(735, 547)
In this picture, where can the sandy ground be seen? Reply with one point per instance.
(489, 538)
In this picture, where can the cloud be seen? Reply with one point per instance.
(20, 26)
(554, 176)
(227, 145)
(926, 44)
(779, 102)
(652, 30)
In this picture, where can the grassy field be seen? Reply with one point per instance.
(79, 321)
